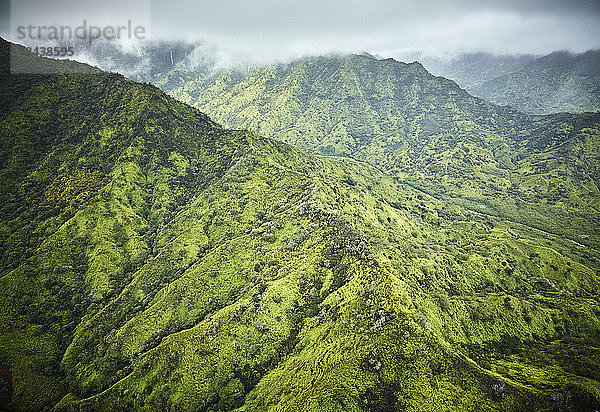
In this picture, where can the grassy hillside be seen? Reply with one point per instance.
(152, 260)
(540, 171)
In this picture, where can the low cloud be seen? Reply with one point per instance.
(271, 30)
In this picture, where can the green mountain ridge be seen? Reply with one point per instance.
(536, 170)
(558, 82)
(152, 260)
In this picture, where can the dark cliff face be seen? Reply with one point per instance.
(151, 259)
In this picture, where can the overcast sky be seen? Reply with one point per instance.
(279, 29)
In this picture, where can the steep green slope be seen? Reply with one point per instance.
(152, 260)
(538, 171)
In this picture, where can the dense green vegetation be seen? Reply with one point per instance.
(152, 260)
(540, 171)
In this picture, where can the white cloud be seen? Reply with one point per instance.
(270, 30)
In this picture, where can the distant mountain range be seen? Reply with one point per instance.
(470, 70)
(558, 82)
(434, 251)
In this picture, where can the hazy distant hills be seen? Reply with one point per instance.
(151, 259)
(470, 70)
(558, 82)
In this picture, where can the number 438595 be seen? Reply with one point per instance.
(53, 51)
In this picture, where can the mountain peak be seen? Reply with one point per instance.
(370, 55)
